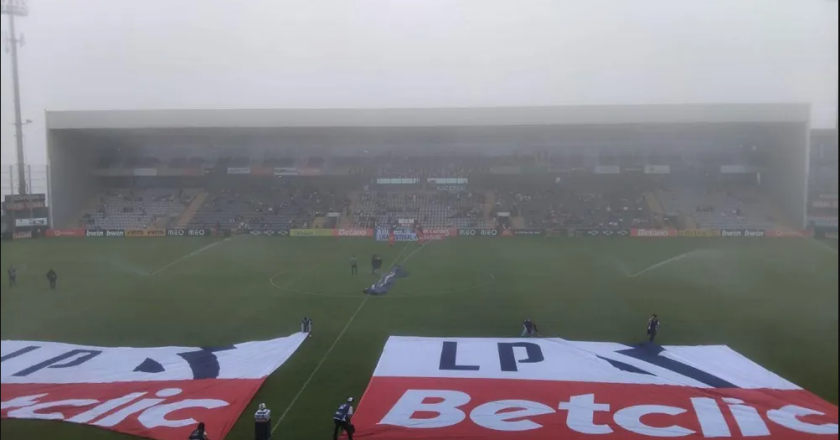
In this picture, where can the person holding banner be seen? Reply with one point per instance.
(262, 423)
(341, 420)
(198, 433)
(652, 327)
(529, 328)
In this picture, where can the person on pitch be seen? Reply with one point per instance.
(12, 276)
(306, 325)
(198, 433)
(529, 328)
(354, 266)
(262, 423)
(52, 277)
(652, 327)
(341, 420)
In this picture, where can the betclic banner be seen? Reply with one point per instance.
(159, 393)
(551, 389)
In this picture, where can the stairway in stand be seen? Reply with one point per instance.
(653, 203)
(188, 214)
(489, 203)
(690, 223)
(780, 216)
(91, 205)
(346, 221)
(655, 206)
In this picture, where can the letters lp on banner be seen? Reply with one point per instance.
(159, 393)
(551, 389)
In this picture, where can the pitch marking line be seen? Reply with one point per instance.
(190, 255)
(823, 246)
(661, 263)
(320, 363)
(335, 343)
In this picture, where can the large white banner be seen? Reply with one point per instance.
(562, 360)
(549, 389)
(159, 393)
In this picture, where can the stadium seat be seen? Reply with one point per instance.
(135, 208)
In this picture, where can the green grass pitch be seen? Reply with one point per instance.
(775, 301)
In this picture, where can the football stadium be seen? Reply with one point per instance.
(189, 246)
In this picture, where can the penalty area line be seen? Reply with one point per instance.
(191, 254)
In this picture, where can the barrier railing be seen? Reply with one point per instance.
(440, 233)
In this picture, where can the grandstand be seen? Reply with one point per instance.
(434, 210)
(267, 206)
(127, 208)
(725, 166)
(823, 177)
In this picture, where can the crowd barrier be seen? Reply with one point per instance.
(267, 232)
(344, 232)
(442, 233)
(189, 232)
(145, 232)
(72, 232)
(22, 235)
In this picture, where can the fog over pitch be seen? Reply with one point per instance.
(154, 54)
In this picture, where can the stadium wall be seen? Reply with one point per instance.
(71, 177)
(430, 117)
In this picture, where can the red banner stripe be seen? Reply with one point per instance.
(166, 410)
(498, 409)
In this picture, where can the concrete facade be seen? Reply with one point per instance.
(440, 117)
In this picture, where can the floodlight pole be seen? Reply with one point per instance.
(14, 8)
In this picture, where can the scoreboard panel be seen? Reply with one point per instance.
(26, 216)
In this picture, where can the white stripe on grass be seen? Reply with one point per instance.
(190, 255)
(822, 245)
(338, 338)
(662, 263)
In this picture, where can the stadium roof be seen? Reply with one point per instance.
(430, 117)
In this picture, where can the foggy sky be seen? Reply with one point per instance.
(154, 54)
